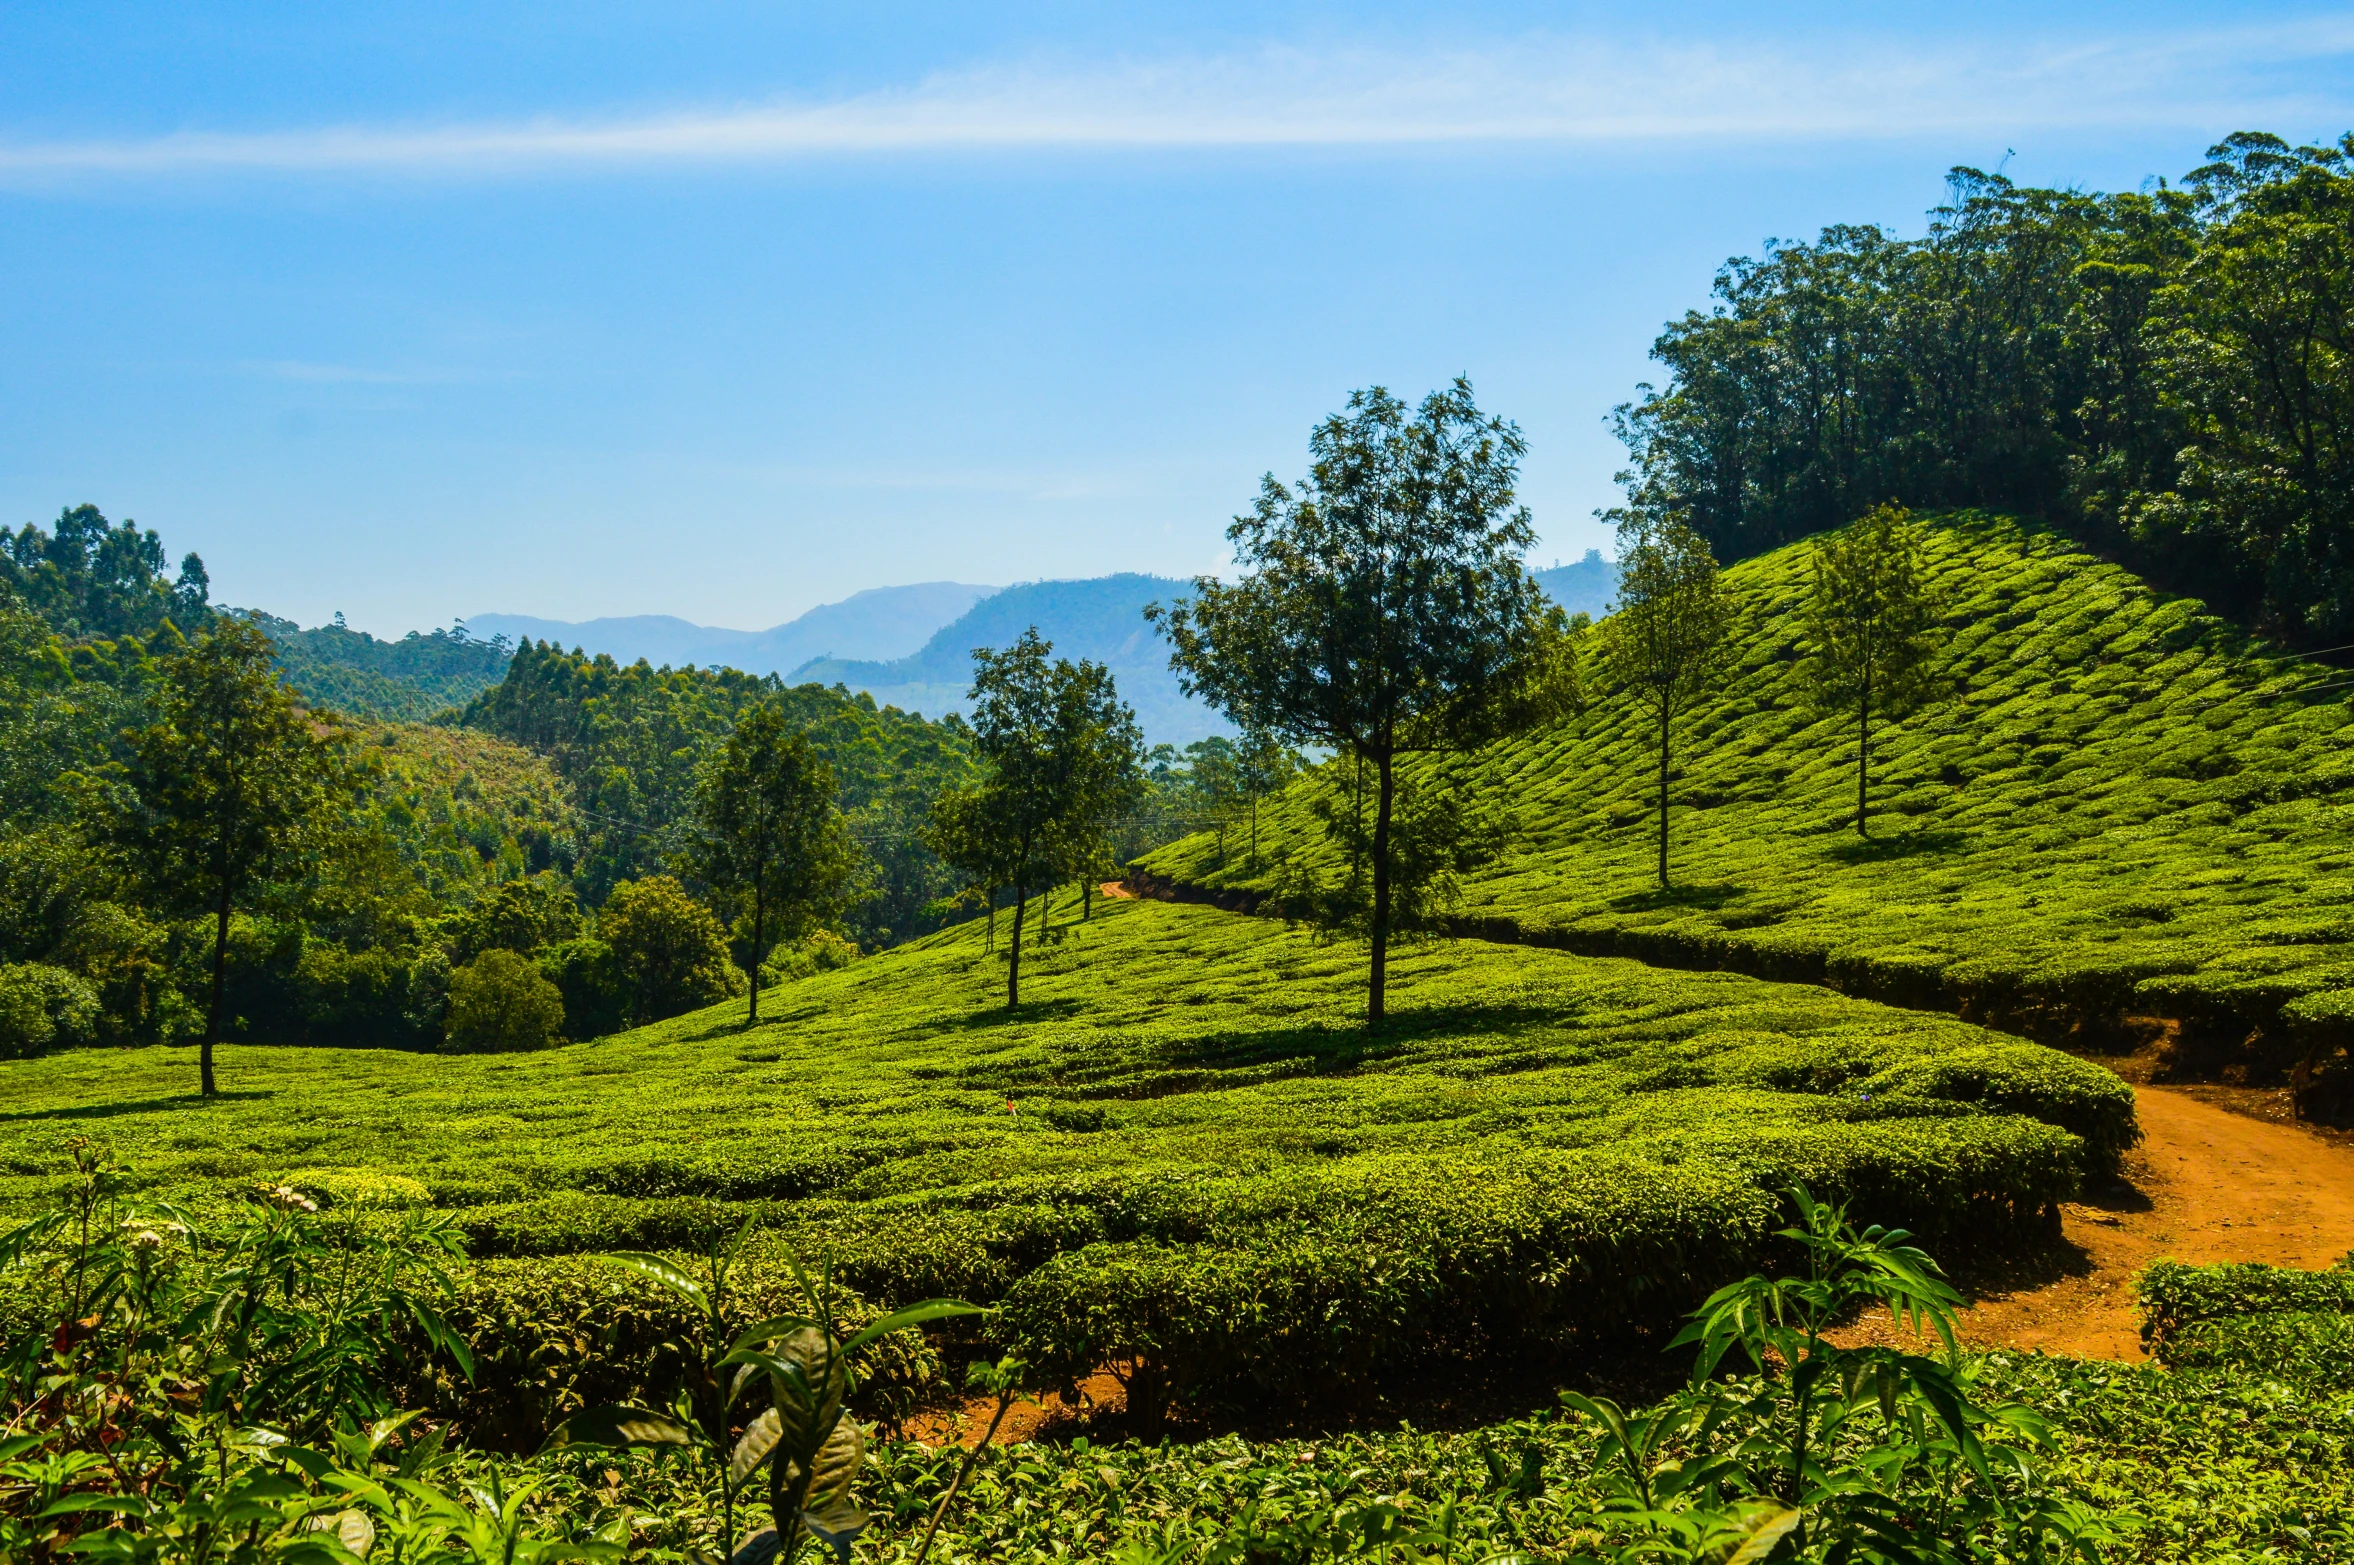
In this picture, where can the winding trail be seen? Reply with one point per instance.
(2206, 1185)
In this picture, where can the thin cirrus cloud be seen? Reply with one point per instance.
(1534, 91)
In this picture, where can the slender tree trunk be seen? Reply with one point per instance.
(1375, 994)
(991, 948)
(1663, 739)
(1086, 897)
(1254, 833)
(752, 972)
(1013, 968)
(212, 1015)
(1863, 764)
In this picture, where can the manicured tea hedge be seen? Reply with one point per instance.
(1186, 1152)
(2127, 808)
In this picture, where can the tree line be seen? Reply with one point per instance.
(2167, 374)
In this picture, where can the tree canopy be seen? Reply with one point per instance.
(1384, 609)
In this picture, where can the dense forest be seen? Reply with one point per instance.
(531, 801)
(2166, 373)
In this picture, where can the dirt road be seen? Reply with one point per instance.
(2206, 1185)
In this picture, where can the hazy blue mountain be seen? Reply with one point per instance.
(882, 622)
(1588, 587)
(1100, 619)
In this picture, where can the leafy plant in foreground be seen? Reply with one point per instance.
(811, 1452)
(1830, 1452)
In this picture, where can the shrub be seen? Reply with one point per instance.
(43, 1007)
(822, 951)
(2175, 1297)
(501, 1001)
(669, 951)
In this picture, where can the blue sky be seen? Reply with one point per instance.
(728, 310)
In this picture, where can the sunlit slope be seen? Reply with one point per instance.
(1155, 1040)
(2126, 806)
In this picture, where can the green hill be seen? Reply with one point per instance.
(2127, 809)
(1186, 1117)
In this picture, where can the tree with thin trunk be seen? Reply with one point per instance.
(1871, 620)
(226, 797)
(1384, 609)
(770, 839)
(1263, 767)
(1061, 757)
(1664, 644)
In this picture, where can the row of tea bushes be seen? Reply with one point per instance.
(2126, 807)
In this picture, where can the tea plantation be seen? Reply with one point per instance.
(2124, 807)
(1184, 1154)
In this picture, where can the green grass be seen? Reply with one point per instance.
(2126, 807)
(1185, 1103)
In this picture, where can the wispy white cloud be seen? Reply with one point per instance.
(1534, 90)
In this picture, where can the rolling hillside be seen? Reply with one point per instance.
(2127, 809)
(1182, 1092)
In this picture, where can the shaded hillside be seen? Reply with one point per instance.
(2129, 807)
(1101, 619)
(882, 622)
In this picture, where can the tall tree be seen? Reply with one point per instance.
(1384, 610)
(1263, 767)
(770, 838)
(233, 787)
(1870, 618)
(1061, 756)
(1663, 646)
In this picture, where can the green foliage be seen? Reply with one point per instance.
(501, 1002)
(42, 1006)
(2163, 373)
(630, 741)
(2175, 1297)
(519, 916)
(1539, 1149)
(1870, 650)
(231, 788)
(2129, 809)
(92, 581)
(1384, 611)
(1663, 647)
(770, 839)
(667, 950)
(421, 676)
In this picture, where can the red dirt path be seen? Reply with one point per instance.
(2206, 1185)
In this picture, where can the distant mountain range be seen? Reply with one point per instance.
(912, 647)
(1101, 619)
(882, 622)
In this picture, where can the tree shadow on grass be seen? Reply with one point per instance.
(1899, 845)
(1029, 1011)
(185, 1100)
(1328, 1047)
(1661, 898)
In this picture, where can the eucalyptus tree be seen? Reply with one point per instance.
(1871, 618)
(1383, 610)
(231, 793)
(1665, 642)
(770, 838)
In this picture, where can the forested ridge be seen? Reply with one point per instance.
(2166, 373)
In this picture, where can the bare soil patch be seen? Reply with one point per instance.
(2214, 1180)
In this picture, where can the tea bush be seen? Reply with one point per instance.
(1538, 1147)
(2127, 807)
